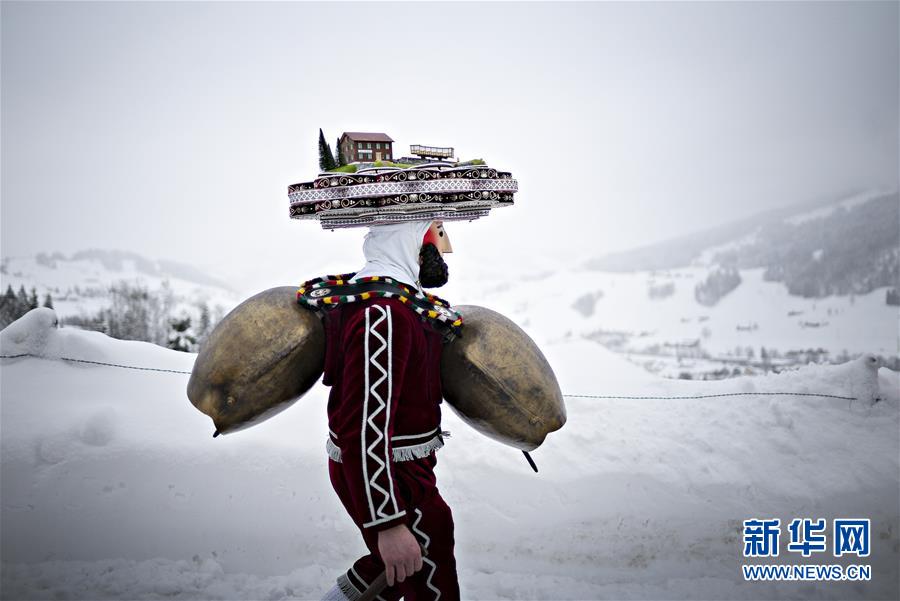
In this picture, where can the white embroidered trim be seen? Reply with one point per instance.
(432, 566)
(386, 518)
(408, 436)
(378, 405)
(397, 453)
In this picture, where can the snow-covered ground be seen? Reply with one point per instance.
(113, 487)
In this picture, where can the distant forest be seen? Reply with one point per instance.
(847, 252)
(134, 313)
(14, 305)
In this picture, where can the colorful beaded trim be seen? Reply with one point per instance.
(321, 292)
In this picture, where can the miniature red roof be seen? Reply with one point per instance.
(363, 136)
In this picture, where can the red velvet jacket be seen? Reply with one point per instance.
(382, 362)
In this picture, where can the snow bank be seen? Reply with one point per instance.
(38, 333)
(113, 487)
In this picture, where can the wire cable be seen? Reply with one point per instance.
(171, 371)
(710, 396)
(579, 396)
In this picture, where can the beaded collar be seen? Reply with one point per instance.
(325, 292)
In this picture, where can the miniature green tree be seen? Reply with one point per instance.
(326, 158)
(341, 159)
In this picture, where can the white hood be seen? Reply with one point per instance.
(393, 250)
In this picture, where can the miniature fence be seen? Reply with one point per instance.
(431, 151)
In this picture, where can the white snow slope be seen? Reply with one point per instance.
(113, 487)
(81, 286)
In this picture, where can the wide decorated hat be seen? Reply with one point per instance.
(379, 193)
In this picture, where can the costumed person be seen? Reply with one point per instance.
(391, 352)
(383, 365)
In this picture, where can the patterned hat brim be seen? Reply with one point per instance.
(393, 195)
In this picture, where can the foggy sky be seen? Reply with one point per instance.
(174, 129)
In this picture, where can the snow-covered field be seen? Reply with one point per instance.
(113, 487)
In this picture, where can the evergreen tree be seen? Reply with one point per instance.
(9, 298)
(323, 161)
(48, 301)
(341, 159)
(14, 305)
(22, 300)
(329, 156)
(9, 307)
(182, 336)
(326, 158)
(205, 326)
(33, 299)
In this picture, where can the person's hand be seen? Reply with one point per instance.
(400, 553)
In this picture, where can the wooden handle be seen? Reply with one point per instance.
(380, 583)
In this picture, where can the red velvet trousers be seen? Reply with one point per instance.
(431, 522)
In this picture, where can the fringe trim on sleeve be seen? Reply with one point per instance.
(417, 451)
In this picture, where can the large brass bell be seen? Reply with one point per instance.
(269, 351)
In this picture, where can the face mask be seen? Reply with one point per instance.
(438, 236)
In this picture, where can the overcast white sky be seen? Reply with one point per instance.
(173, 129)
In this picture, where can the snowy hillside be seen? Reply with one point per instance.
(671, 334)
(849, 244)
(79, 284)
(113, 487)
(808, 283)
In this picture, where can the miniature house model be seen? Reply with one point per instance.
(359, 146)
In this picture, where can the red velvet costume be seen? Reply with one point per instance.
(383, 365)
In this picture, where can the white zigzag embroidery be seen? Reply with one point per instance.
(379, 436)
(432, 566)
